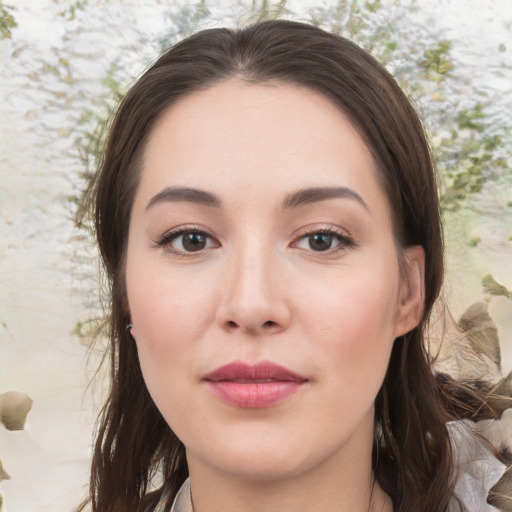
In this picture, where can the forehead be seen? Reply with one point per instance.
(237, 136)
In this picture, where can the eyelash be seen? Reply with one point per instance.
(344, 240)
(166, 239)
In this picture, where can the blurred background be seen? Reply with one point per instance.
(64, 66)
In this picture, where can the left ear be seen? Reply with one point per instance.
(412, 290)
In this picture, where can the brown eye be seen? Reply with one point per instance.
(193, 241)
(320, 241)
(187, 241)
(324, 241)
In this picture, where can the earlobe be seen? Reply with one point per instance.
(131, 328)
(412, 291)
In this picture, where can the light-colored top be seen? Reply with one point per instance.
(183, 501)
(478, 469)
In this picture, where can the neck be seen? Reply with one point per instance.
(342, 482)
(291, 495)
(280, 498)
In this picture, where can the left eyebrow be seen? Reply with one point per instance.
(316, 194)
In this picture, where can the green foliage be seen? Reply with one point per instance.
(472, 119)
(471, 156)
(267, 10)
(7, 21)
(77, 330)
(373, 6)
(92, 138)
(91, 330)
(71, 11)
(344, 18)
(356, 20)
(113, 82)
(186, 20)
(437, 60)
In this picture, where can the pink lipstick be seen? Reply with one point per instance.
(253, 386)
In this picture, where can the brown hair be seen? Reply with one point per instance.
(412, 455)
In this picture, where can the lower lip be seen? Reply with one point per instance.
(255, 395)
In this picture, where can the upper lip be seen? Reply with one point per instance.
(264, 371)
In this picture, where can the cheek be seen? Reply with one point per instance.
(162, 302)
(170, 316)
(353, 324)
(169, 313)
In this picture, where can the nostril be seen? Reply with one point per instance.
(269, 325)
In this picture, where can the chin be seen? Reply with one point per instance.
(266, 458)
(262, 467)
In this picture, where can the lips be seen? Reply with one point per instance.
(253, 386)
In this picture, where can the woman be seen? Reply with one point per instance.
(268, 218)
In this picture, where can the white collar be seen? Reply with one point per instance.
(183, 501)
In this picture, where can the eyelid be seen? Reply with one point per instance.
(344, 237)
(172, 234)
(322, 228)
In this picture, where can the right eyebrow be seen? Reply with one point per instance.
(187, 194)
(316, 194)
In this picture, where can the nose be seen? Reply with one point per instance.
(254, 299)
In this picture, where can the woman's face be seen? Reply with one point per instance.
(263, 281)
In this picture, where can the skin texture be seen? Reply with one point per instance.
(258, 291)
